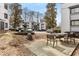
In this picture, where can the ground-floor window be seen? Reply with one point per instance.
(42, 26)
(6, 25)
(1, 25)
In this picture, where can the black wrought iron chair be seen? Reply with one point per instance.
(66, 37)
(70, 37)
(51, 38)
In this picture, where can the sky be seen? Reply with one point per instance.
(41, 7)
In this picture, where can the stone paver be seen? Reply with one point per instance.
(36, 48)
(43, 50)
(52, 52)
(40, 48)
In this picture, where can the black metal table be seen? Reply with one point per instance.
(53, 36)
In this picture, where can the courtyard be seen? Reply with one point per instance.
(39, 31)
(18, 45)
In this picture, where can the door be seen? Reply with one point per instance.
(2, 25)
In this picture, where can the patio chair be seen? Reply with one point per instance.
(72, 37)
(51, 38)
(66, 37)
(59, 37)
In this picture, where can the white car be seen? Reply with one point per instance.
(19, 29)
(29, 31)
(49, 30)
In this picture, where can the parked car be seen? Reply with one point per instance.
(20, 29)
(29, 31)
(50, 30)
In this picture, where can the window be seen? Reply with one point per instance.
(74, 10)
(5, 15)
(2, 25)
(75, 23)
(6, 25)
(5, 6)
(42, 26)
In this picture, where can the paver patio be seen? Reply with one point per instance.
(40, 48)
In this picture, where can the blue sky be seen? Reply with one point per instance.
(41, 7)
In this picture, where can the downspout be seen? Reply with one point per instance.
(70, 18)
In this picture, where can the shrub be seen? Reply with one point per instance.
(12, 29)
(29, 36)
(57, 31)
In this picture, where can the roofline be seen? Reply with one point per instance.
(75, 6)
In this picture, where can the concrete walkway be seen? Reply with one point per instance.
(40, 48)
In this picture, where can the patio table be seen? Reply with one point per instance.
(70, 37)
(53, 36)
(59, 35)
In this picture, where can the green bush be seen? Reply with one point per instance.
(12, 29)
(57, 31)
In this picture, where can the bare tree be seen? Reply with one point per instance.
(25, 14)
(25, 17)
(15, 16)
(31, 17)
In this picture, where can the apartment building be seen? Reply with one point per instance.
(42, 24)
(4, 17)
(70, 17)
(37, 26)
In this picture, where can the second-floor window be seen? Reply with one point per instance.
(74, 10)
(5, 6)
(5, 16)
